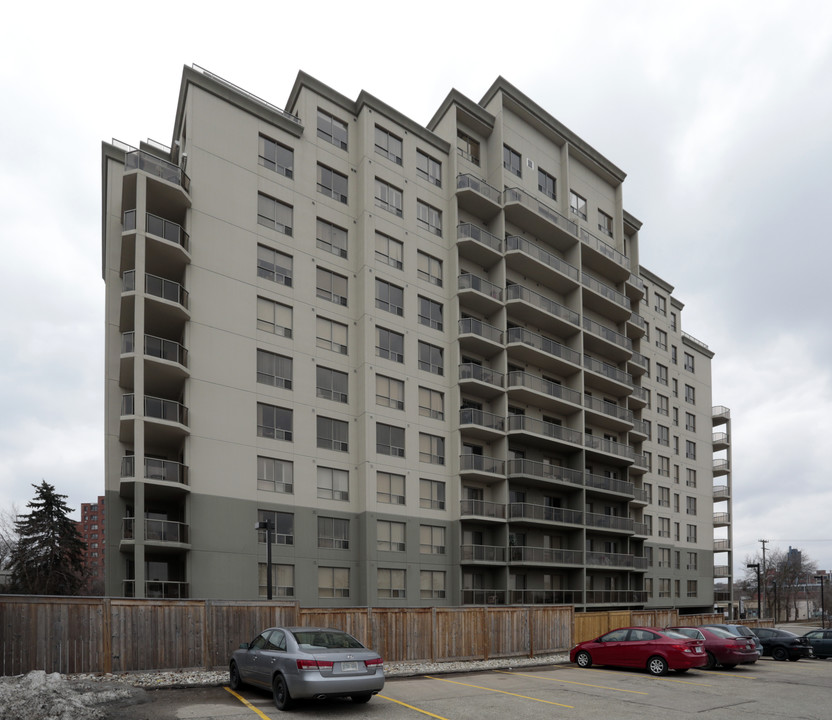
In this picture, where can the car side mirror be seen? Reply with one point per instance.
(244, 646)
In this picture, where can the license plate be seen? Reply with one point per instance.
(697, 649)
(349, 666)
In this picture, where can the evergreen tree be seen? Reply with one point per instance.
(48, 557)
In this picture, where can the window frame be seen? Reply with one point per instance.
(432, 172)
(386, 352)
(389, 197)
(428, 217)
(281, 169)
(331, 243)
(272, 220)
(268, 266)
(328, 126)
(284, 380)
(278, 429)
(384, 150)
(332, 490)
(327, 437)
(333, 177)
(331, 392)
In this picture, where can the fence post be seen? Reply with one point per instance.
(106, 636)
(207, 615)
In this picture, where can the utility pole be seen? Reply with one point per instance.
(764, 543)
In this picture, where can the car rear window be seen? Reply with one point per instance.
(676, 635)
(329, 639)
(720, 632)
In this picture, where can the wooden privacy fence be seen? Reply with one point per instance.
(592, 624)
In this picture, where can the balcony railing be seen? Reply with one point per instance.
(603, 331)
(152, 165)
(546, 471)
(166, 589)
(544, 344)
(467, 281)
(602, 482)
(548, 556)
(607, 370)
(604, 248)
(609, 446)
(722, 545)
(520, 378)
(521, 244)
(482, 553)
(610, 559)
(544, 513)
(545, 597)
(722, 518)
(155, 225)
(158, 408)
(516, 195)
(519, 292)
(603, 289)
(472, 416)
(165, 289)
(165, 531)
(608, 408)
(472, 371)
(540, 427)
(155, 469)
(481, 463)
(156, 347)
(469, 182)
(473, 326)
(483, 596)
(482, 508)
(618, 597)
(640, 528)
(609, 522)
(468, 230)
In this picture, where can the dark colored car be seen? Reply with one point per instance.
(653, 649)
(721, 646)
(783, 645)
(307, 662)
(741, 630)
(821, 642)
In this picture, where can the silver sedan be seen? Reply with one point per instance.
(307, 662)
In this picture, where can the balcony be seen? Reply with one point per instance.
(608, 414)
(478, 245)
(721, 493)
(481, 467)
(542, 351)
(544, 434)
(482, 510)
(157, 532)
(636, 326)
(637, 364)
(608, 377)
(722, 519)
(545, 597)
(720, 414)
(609, 447)
(640, 529)
(600, 339)
(152, 165)
(162, 589)
(479, 424)
(542, 393)
(604, 299)
(167, 308)
(479, 294)
(163, 471)
(544, 514)
(534, 261)
(487, 554)
(720, 441)
(532, 307)
(483, 596)
(480, 380)
(638, 398)
(615, 597)
(166, 421)
(528, 212)
(720, 571)
(635, 286)
(639, 428)
(612, 523)
(479, 338)
(543, 474)
(601, 484)
(722, 546)
(603, 257)
(477, 196)
(610, 560)
(721, 467)
(530, 555)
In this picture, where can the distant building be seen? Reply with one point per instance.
(91, 526)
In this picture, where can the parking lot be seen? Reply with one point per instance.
(767, 689)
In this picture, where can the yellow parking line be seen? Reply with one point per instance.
(570, 682)
(503, 692)
(411, 707)
(247, 704)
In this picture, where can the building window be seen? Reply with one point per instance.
(431, 403)
(331, 335)
(663, 435)
(648, 587)
(332, 183)
(689, 362)
(512, 161)
(333, 484)
(274, 214)
(333, 533)
(605, 223)
(283, 580)
(389, 345)
(390, 536)
(690, 394)
(389, 297)
(389, 392)
(664, 499)
(389, 251)
(577, 204)
(664, 526)
(389, 440)
(693, 590)
(431, 584)
(661, 373)
(429, 268)
(690, 422)
(664, 587)
(690, 477)
(690, 450)
(674, 354)
(428, 168)
(388, 145)
(275, 475)
(431, 449)
(468, 147)
(664, 557)
(274, 422)
(431, 494)
(390, 488)
(675, 385)
(431, 358)
(430, 313)
(691, 533)
(283, 527)
(331, 129)
(277, 157)
(664, 466)
(331, 384)
(546, 184)
(274, 317)
(661, 304)
(333, 582)
(273, 265)
(390, 583)
(690, 505)
(274, 370)
(331, 286)
(389, 197)
(333, 434)
(431, 540)
(661, 339)
(693, 561)
(662, 404)
(331, 238)
(429, 218)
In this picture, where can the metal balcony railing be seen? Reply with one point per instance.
(152, 165)
(521, 244)
(519, 292)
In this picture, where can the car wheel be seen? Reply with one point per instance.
(657, 665)
(282, 699)
(364, 697)
(583, 659)
(729, 666)
(779, 653)
(234, 679)
(711, 661)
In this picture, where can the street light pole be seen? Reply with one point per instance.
(756, 566)
(822, 608)
(267, 526)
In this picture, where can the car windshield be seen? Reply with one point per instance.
(329, 639)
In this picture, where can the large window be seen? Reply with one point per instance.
(331, 286)
(389, 297)
(390, 536)
(389, 251)
(274, 214)
(331, 335)
(283, 527)
(332, 183)
(389, 197)
(331, 238)
(275, 475)
(389, 392)
(577, 204)
(276, 156)
(431, 449)
(547, 184)
(390, 488)
(333, 533)
(661, 373)
(389, 440)
(431, 358)
(283, 580)
(431, 403)
(331, 384)
(429, 268)
(432, 584)
(390, 583)
(388, 145)
(511, 161)
(333, 434)
(333, 582)
(429, 218)
(690, 394)
(468, 147)
(689, 362)
(431, 494)
(430, 313)
(274, 317)
(428, 168)
(691, 536)
(333, 484)
(274, 369)
(431, 540)
(690, 450)
(331, 129)
(274, 422)
(274, 265)
(690, 505)
(389, 344)
(605, 223)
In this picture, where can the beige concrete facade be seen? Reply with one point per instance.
(422, 353)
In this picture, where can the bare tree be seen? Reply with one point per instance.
(8, 536)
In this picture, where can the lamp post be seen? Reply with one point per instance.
(756, 566)
(267, 526)
(822, 609)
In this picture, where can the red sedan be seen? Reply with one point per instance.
(721, 646)
(641, 647)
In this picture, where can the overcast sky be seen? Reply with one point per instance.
(720, 113)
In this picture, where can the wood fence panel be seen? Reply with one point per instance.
(592, 624)
(550, 629)
(355, 621)
(230, 623)
(507, 630)
(654, 618)
(460, 634)
(402, 634)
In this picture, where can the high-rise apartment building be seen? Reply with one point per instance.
(418, 355)
(91, 528)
